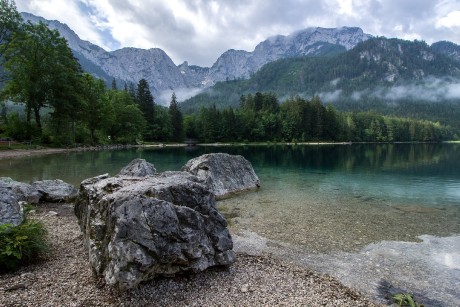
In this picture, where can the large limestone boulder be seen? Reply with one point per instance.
(138, 168)
(23, 191)
(225, 174)
(55, 191)
(137, 228)
(11, 210)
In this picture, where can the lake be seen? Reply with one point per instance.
(382, 218)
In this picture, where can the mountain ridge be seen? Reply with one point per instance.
(387, 76)
(164, 76)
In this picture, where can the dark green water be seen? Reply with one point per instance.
(320, 200)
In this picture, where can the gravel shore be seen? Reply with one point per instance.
(64, 278)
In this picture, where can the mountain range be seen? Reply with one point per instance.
(132, 64)
(343, 65)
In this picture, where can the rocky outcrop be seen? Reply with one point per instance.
(137, 228)
(138, 168)
(224, 174)
(55, 191)
(11, 211)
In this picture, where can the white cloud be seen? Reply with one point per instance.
(451, 20)
(430, 89)
(67, 12)
(181, 94)
(330, 96)
(200, 30)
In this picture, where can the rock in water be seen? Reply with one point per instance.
(138, 228)
(225, 174)
(138, 168)
(55, 191)
(11, 211)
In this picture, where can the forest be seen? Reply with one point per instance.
(47, 99)
(262, 118)
(391, 77)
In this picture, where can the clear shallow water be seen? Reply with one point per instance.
(357, 212)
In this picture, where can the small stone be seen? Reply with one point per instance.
(52, 213)
(245, 288)
(27, 274)
(17, 287)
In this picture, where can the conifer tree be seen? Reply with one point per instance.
(146, 104)
(176, 120)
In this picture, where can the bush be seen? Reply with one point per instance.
(21, 245)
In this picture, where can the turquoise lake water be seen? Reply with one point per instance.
(321, 204)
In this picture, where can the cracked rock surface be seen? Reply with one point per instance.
(136, 229)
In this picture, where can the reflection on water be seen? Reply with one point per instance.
(324, 197)
(314, 200)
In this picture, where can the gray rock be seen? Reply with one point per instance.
(55, 191)
(138, 228)
(225, 174)
(11, 211)
(23, 191)
(138, 168)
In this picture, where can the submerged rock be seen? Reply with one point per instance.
(138, 168)
(137, 228)
(55, 191)
(225, 174)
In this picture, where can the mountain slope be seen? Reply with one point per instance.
(447, 48)
(237, 64)
(154, 65)
(375, 75)
(125, 65)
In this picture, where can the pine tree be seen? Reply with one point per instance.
(147, 105)
(114, 84)
(176, 120)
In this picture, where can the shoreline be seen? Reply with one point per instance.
(20, 153)
(64, 278)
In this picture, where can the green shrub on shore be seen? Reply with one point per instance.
(405, 299)
(22, 244)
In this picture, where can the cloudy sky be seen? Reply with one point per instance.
(198, 31)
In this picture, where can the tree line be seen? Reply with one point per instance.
(261, 118)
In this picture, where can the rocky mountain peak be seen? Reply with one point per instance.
(154, 65)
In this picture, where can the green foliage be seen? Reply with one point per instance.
(260, 118)
(97, 112)
(129, 122)
(21, 245)
(17, 128)
(146, 104)
(405, 300)
(10, 22)
(358, 78)
(43, 72)
(162, 130)
(176, 120)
